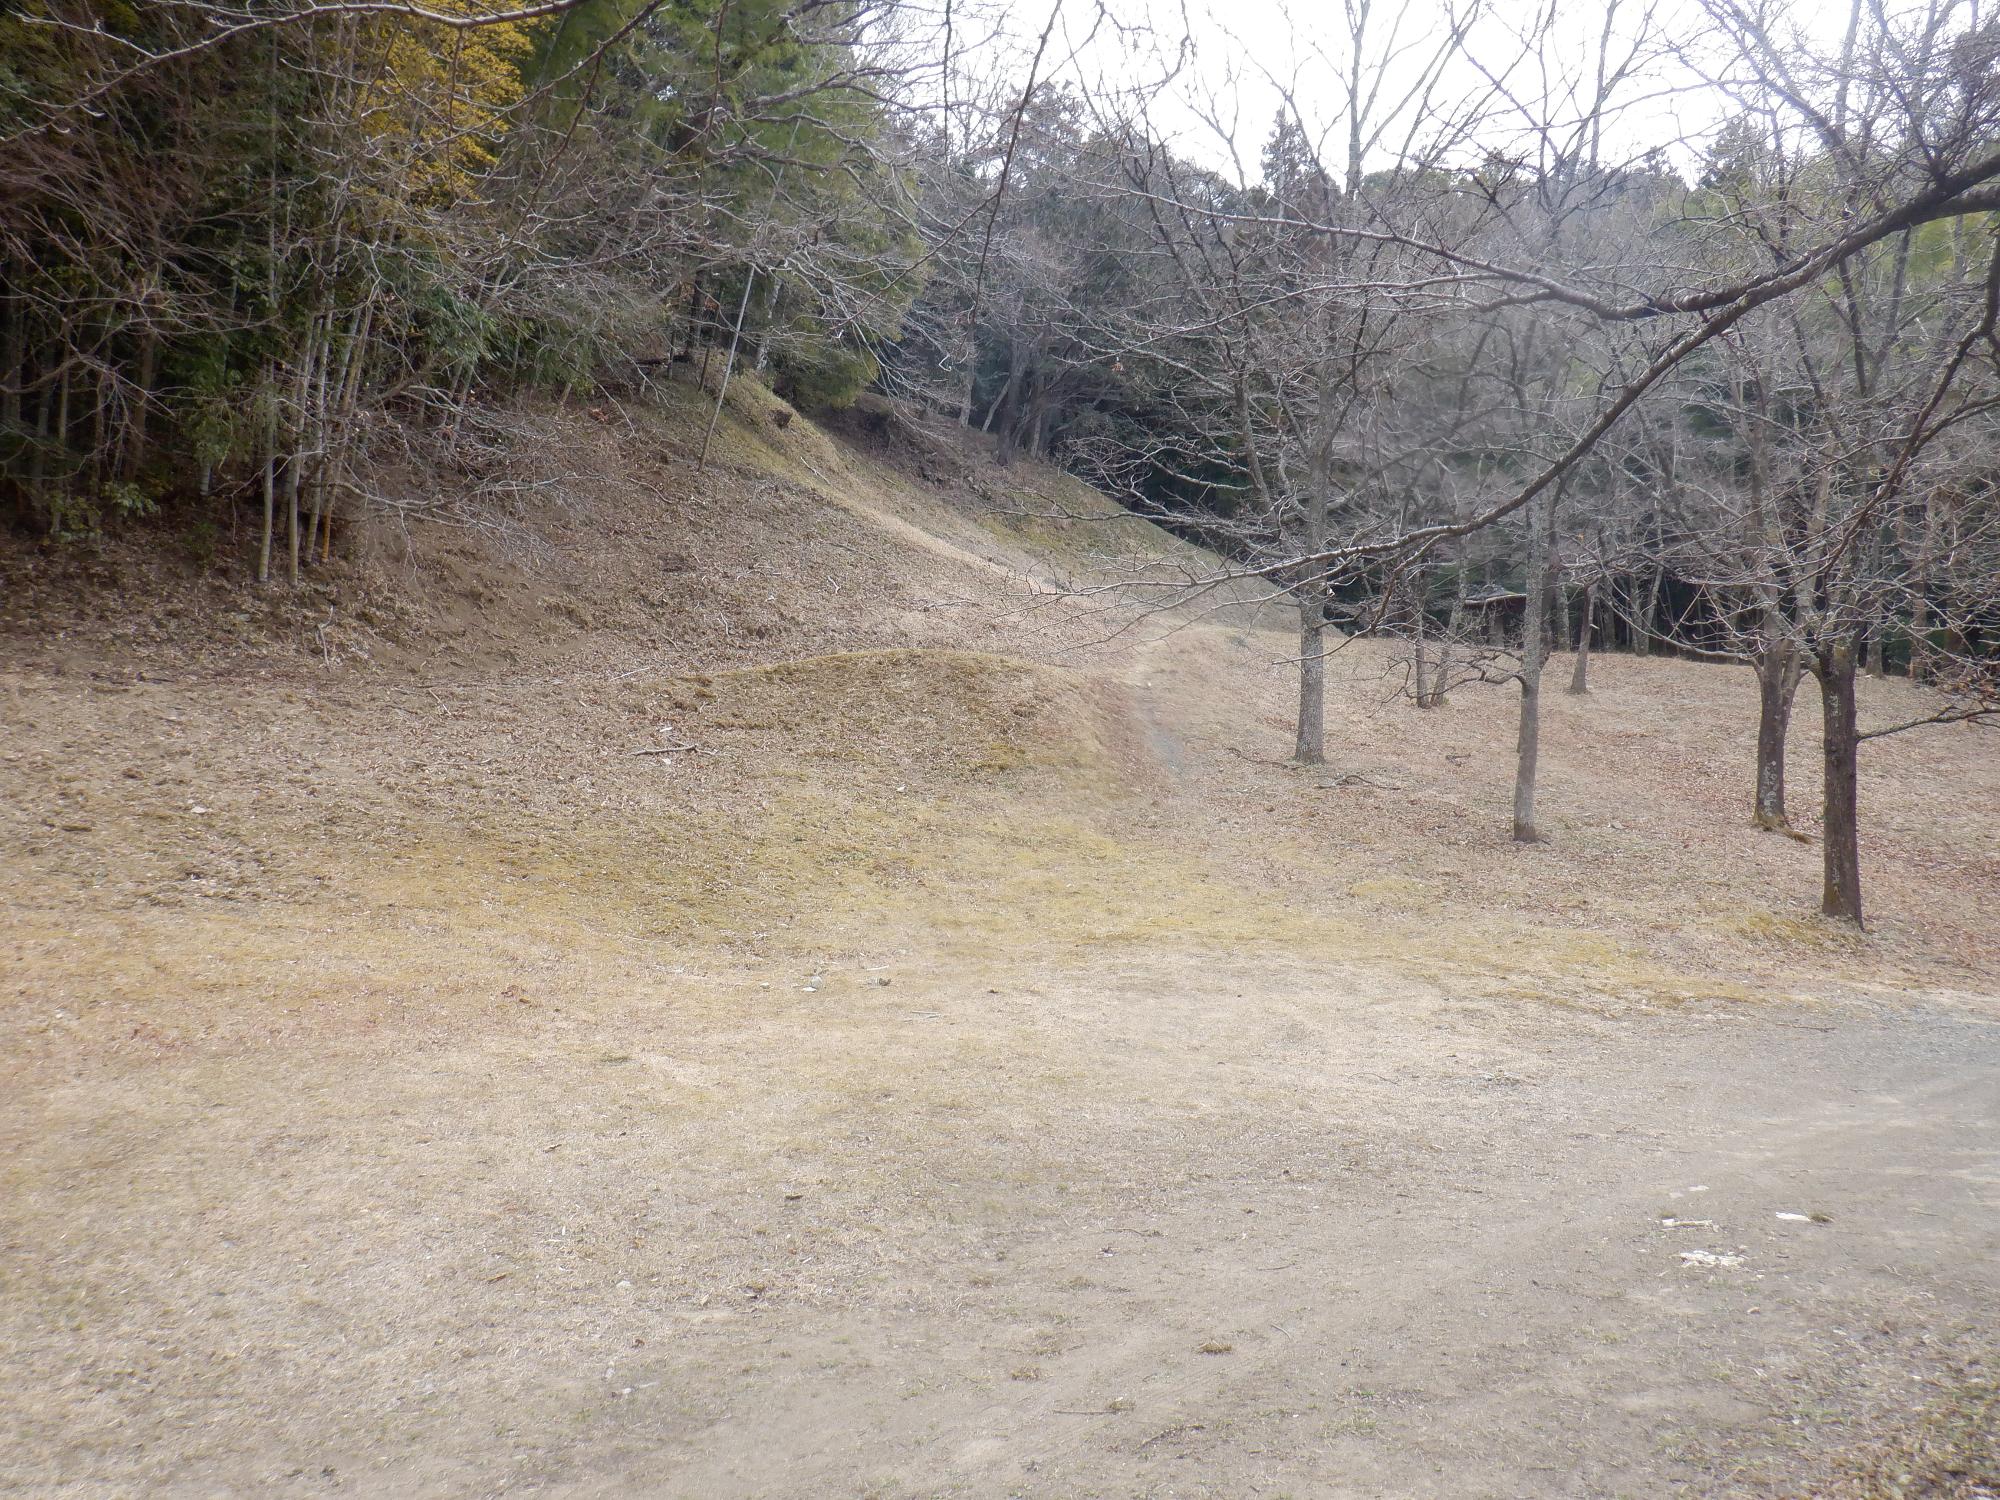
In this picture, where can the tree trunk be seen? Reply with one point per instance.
(1310, 749)
(764, 320)
(136, 436)
(1779, 667)
(13, 382)
(270, 474)
(1643, 616)
(965, 389)
(1312, 588)
(1527, 748)
(102, 393)
(319, 425)
(1003, 415)
(38, 450)
(1528, 741)
(1923, 645)
(62, 453)
(1440, 674)
(295, 465)
(1422, 685)
(1834, 666)
(1579, 677)
(694, 319)
(1000, 401)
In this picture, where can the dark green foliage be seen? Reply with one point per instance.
(222, 273)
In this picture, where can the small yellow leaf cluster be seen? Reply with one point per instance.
(439, 98)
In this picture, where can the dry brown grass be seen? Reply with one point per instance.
(411, 1080)
(1943, 1446)
(902, 738)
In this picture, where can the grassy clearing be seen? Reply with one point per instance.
(1790, 930)
(909, 708)
(927, 794)
(809, 871)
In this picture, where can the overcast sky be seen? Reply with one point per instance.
(1523, 65)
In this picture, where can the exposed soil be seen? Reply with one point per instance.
(730, 986)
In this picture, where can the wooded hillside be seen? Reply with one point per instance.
(1452, 352)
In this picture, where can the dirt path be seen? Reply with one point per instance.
(943, 1237)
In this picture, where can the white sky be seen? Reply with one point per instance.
(1234, 62)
